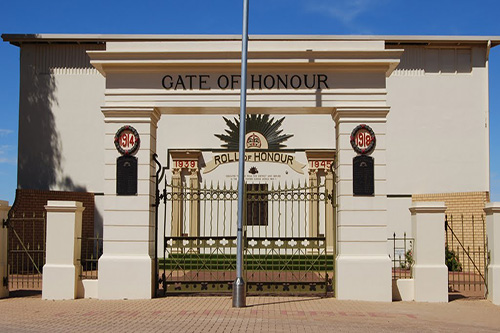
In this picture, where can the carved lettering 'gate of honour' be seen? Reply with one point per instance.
(286, 249)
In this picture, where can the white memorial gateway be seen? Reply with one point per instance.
(344, 135)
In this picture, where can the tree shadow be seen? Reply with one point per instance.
(39, 144)
(40, 151)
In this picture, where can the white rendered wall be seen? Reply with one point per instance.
(4, 272)
(492, 211)
(61, 126)
(437, 136)
(437, 130)
(417, 91)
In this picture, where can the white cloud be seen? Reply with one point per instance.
(5, 160)
(4, 149)
(344, 11)
(4, 155)
(5, 132)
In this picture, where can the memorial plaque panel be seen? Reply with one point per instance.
(363, 175)
(126, 175)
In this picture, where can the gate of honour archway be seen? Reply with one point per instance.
(287, 248)
(150, 77)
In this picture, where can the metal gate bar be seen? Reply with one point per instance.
(467, 254)
(281, 254)
(25, 251)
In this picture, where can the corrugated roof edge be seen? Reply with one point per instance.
(17, 39)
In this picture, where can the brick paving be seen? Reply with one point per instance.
(263, 314)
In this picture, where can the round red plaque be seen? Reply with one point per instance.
(127, 140)
(363, 139)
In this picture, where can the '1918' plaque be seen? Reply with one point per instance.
(363, 176)
(126, 175)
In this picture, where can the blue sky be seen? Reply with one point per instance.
(332, 17)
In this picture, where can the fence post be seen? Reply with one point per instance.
(62, 265)
(492, 211)
(4, 272)
(429, 272)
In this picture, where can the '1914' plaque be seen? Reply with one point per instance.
(363, 176)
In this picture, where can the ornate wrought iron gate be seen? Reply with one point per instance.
(285, 246)
(25, 251)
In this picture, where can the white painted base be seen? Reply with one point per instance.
(4, 291)
(494, 284)
(59, 282)
(363, 278)
(88, 289)
(125, 277)
(431, 283)
(403, 290)
(4, 210)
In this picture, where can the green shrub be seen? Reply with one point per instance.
(408, 262)
(452, 261)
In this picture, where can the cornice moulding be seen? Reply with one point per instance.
(131, 114)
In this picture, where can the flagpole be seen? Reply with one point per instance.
(239, 287)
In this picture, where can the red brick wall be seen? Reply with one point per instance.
(31, 204)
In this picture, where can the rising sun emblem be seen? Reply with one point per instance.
(262, 132)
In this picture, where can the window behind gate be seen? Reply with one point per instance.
(257, 204)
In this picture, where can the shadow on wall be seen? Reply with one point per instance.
(40, 149)
(40, 146)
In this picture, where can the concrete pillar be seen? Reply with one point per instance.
(126, 266)
(4, 272)
(177, 202)
(330, 218)
(430, 273)
(492, 210)
(185, 162)
(320, 163)
(63, 246)
(194, 204)
(313, 203)
(363, 267)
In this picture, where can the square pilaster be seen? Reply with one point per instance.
(126, 266)
(361, 220)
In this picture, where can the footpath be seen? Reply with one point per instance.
(263, 314)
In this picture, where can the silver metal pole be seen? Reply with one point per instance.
(239, 288)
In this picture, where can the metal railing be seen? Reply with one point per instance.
(25, 251)
(91, 251)
(401, 256)
(284, 247)
(467, 254)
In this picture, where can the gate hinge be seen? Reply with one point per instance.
(5, 281)
(4, 223)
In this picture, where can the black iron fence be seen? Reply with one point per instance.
(25, 251)
(401, 256)
(91, 251)
(285, 244)
(466, 254)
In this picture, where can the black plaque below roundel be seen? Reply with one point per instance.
(363, 175)
(126, 175)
